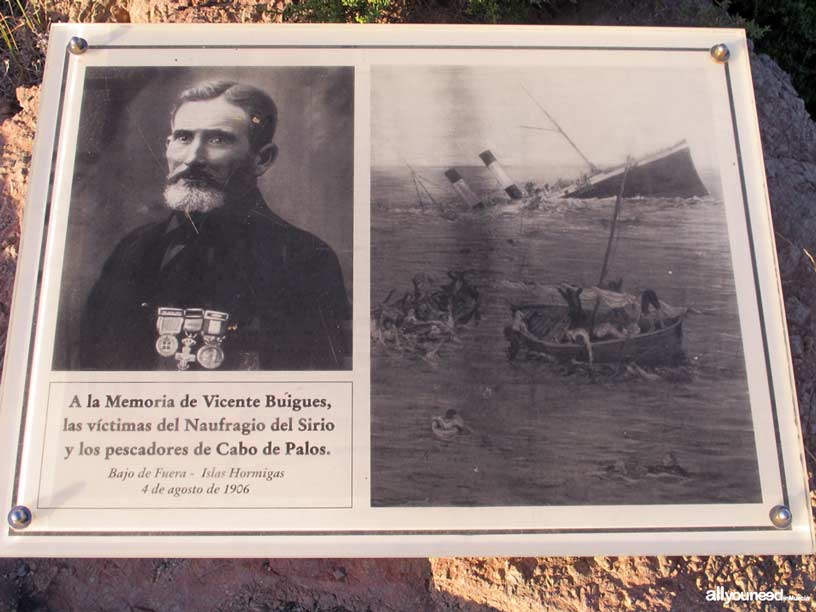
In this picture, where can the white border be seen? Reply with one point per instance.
(515, 42)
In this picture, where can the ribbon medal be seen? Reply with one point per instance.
(186, 327)
(168, 323)
(211, 355)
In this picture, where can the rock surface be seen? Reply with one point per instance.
(480, 584)
(16, 141)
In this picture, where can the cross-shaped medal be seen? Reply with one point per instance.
(186, 357)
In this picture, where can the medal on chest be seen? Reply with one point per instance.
(191, 335)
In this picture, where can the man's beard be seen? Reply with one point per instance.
(192, 189)
(191, 199)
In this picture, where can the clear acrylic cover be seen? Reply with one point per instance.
(387, 291)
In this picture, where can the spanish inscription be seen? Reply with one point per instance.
(228, 444)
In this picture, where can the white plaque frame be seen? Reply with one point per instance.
(354, 527)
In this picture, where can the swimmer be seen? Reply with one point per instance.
(447, 427)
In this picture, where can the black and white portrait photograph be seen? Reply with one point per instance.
(554, 310)
(210, 223)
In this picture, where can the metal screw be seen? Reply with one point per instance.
(720, 53)
(19, 517)
(77, 45)
(781, 517)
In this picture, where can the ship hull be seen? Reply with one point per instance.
(664, 175)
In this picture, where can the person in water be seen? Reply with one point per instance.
(449, 426)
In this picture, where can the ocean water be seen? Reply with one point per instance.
(540, 436)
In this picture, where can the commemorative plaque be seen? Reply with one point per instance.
(392, 291)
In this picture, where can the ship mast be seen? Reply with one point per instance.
(614, 225)
(592, 166)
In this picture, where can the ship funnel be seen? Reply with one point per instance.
(498, 171)
(462, 188)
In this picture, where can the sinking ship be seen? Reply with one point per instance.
(667, 173)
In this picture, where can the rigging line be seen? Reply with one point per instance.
(425, 179)
(414, 179)
(418, 195)
(592, 166)
(541, 129)
(421, 178)
(420, 189)
(421, 182)
(414, 173)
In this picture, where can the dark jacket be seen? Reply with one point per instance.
(282, 287)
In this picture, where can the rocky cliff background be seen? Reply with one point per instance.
(470, 584)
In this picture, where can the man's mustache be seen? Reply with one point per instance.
(194, 174)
